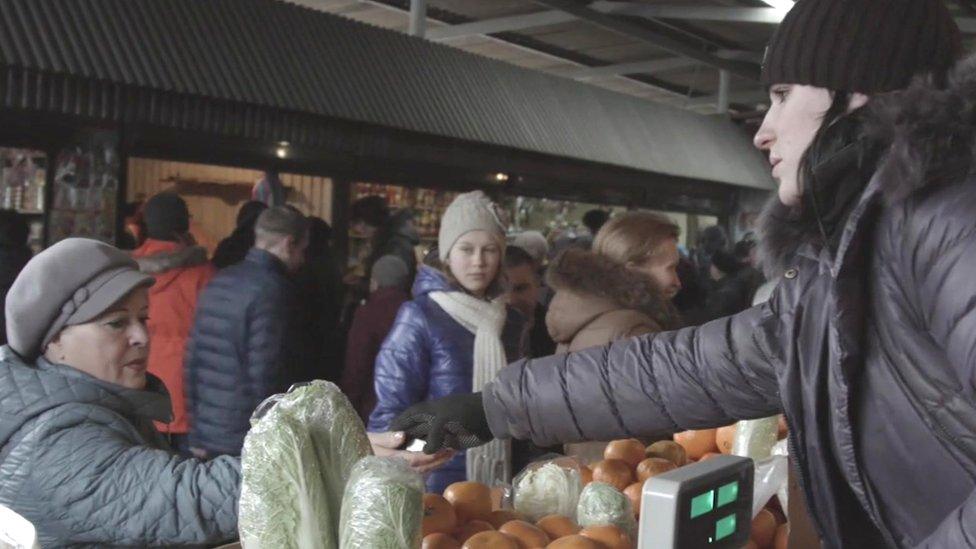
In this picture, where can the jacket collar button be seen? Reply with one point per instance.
(791, 273)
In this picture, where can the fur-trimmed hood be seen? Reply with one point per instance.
(163, 261)
(588, 286)
(927, 134)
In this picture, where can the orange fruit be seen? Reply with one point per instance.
(725, 438)
(557, 526)
(763, 530)
(469, 529)
(610, 536)
(501, 516)
(586, 474)
(439, 541)
(614, 472)
(630, 451)
(710, 455)
(697, 443)
(471, 501)
(669, 450)
(490, 540)
(526, 534)
(575, 542)
(439, 516)
(652, 467)
(635, 492)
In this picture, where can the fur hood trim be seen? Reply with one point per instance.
(587, 273)
(190, 256)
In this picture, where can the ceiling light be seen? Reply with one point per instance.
(282, 150)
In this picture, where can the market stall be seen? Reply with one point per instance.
(310, 482)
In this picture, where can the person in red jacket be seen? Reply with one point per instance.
(181, 271)
(371, 323)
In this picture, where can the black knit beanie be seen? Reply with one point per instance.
(166, 217)
(865, 46)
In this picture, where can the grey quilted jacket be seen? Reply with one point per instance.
(81, 460)
(869, 347)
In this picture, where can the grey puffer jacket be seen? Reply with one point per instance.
(81, 460)
(869, 347)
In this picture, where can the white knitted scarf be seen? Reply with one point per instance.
(490, 464)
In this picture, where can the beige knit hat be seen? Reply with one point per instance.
(472, 211)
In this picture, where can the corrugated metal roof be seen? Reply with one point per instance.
(274, 54)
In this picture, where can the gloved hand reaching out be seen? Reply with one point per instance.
(455, 421)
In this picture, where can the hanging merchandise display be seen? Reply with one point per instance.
(22, 180)
(86, 186)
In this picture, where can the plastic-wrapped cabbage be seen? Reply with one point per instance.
(549, 487)
(295, 464)
(601, 504)
(383, 506)
(755, 438)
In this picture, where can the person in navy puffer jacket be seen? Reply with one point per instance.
(243, 348)
(454, 336)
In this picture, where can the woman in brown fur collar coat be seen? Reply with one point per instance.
(623, 288)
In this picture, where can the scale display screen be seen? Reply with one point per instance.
(705, 505)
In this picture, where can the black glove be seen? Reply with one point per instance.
(456, 421)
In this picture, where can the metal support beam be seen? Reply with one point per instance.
(501, 24)
(637, 32)
(418, 18)
(656, 66)
(396, 8)
(639, 67)
(745, 96)
(770, 16)
(724, 83)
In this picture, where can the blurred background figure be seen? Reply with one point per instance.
(522, 277)
(322, 294)
(388, 291)
(247, 341)
(180, 271)
(14, 254)
(234, 248)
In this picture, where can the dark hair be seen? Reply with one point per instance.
(14, 229)
(516, 257)
(249, 212)
(319, 235)
(743, 248)
(281, 221)
(595, 220)
(726, 262)
(371, 210)
(713, 239)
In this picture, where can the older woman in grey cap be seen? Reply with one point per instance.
(79, 456)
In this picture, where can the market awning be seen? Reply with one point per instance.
(92, 57)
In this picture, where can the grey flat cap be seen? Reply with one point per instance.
(72, 282)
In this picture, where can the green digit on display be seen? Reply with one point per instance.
(728, 493)
(702, 504)
(725, 528)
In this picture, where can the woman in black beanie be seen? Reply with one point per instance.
(868, 344)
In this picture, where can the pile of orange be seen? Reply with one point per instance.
(465, 518)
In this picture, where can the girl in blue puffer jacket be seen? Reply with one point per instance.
(454, 336)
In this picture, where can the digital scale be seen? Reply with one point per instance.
(704, 505)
